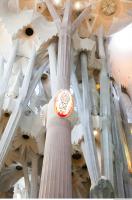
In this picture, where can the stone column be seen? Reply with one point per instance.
(124, 151)
(6, 76)
(118, 161)
(105, 112)
(95, 97)
(26, 179)
(88, 144)
(34, 176)
(12, 124)
(56, 170)
(53, 66)
(106, 137)
(91, 153)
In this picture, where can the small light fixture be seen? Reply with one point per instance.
(98, 86)
(77, 5)
(95, 132)
(57, 2)
(64, 104)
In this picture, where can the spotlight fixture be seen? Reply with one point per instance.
(77, 5)
(57, 2)
(95, 132)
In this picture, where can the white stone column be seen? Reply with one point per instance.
(14, 89)
(95, 97)
(123, 147)
(34, 177)
(56, 170)
(118, 173)
(12, 124)
(91, 152)
(88, 145)
(6, 76)
(105, 112)
(106, 136)
(53, 66)
(26, 179)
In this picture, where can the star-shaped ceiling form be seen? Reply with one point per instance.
(112, 15)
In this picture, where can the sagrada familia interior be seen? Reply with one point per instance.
(65, 99)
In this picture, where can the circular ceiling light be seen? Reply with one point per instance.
(64, 104)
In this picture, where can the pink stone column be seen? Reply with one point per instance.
(56, 172)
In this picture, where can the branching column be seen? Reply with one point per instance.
(12, 124)
(56, 171)
(34, 176)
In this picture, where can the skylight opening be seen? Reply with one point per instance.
(121, 42)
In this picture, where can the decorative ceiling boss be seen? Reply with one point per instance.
(108, 7)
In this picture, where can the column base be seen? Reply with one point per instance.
(103, 189)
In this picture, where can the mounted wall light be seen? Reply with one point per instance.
(64, 104)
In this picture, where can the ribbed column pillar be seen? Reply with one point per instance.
(105, 112)
(9, 132)
(91, 153)
(34, 177)
(106, 137)
(6, 76)
(26, 179)
(118, 161)
(56, 172)
(52, 62)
